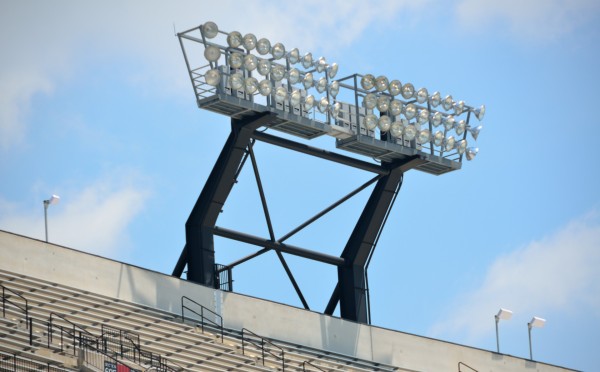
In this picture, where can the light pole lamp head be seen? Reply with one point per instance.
(54, 199)
(536, 322)
(503, 314)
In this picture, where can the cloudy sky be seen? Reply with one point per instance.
(96, 106)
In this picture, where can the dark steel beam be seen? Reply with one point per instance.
(320, 153)
(285, 248)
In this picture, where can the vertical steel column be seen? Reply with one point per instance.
(199, 253)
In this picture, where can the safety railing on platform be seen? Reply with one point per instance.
(259, 342)
(218, 322)
(24, 307)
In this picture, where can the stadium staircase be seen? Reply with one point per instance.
(50, 327)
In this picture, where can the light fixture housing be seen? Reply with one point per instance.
(537, 322)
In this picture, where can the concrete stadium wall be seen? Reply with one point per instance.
(77, 269)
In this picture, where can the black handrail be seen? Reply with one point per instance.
(69, 332)
(461, 363)
(5, 300)
(312, 365)
(13, 361)
(262, 347)
(201, 315)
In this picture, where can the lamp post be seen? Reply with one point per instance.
(535, 322)
(54, 199)
(505, 315)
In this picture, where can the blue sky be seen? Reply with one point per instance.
(96, 106)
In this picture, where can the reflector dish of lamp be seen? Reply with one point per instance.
(280, 94)
(251, 85)
(381, 83)
(472, 152)
(423, 116)
(424, 136)
(277, 72)
(332, 70)
(408, 91)
(321, 85)
(308, 80)
(480, 112)
(321, 64)
(278, 51)
(236, 60)
(334, 88)
(447, 102)
(436, 119)
(370, 121)
(461, 147)
(265, 87)
(249, 41)
(422, 95)
(210, 30)
(263, 46)
(449, 122)
(438, 138)
(250, 62)
(212, 77)
(397, 129)
(293, 76)
(309, 102)
(234, 39)
(410, 132)
(435, 99)
(459, 107)
(460, 127)
(384, 123)
(323, 104)
(295, 98)
(335, 109)
(263, 67)
(504, 314)
(383, 103)
(367, 82)
(395, 87)
(307, 60)
(395, 108)
(475, 131)
(370, 101)
(237, 81)
(449, 143)
(212, 53)
(410, 111)
(294, 56)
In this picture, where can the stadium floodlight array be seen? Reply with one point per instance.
(240, 75)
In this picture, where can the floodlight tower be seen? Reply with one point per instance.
(261, 85)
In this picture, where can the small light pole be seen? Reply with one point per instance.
(505, 315)
(54, 199)
(538, 323)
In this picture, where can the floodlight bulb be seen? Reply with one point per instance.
(438, 138)
(384, 123)
(436, 119)
(334, 88)
(408, 91)
(370, 121)
(249, 41)
(449, 143)
(250, 62)
(236, 60)
(265, 87)
(308, 80)
(480, 112)
(277, 72)
(460, 127)
(294, 56)
(278, 51)
(307, 60)
(383, 103)
(332, 70)
(280, 94)
(423, 116)
(370, 101)
(335, 109)
(461, 147)
(449, 122)
(295, 98)
(447, 102)
(410, 132)
(263, 46)
(309, 102)
(293, 76)
(212, 77)
(54, 199)
(382, 83)
(397, 129)
(395, 87)
(263, 67)
(410, 111)
(236, 81)
(321, 64)
(504, 314)
(471, 153)
(475, 131)
(212, 53)
(210, 30)
(395, 107)
(422, 95)
(323, 104)
(367, 82)
(321, 85)
(435, 99)
(251, 85)
(424, 136)
(234, 39)
(459, 107)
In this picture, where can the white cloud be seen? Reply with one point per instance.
(94, 219)
(541, 20)
(557, 273)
